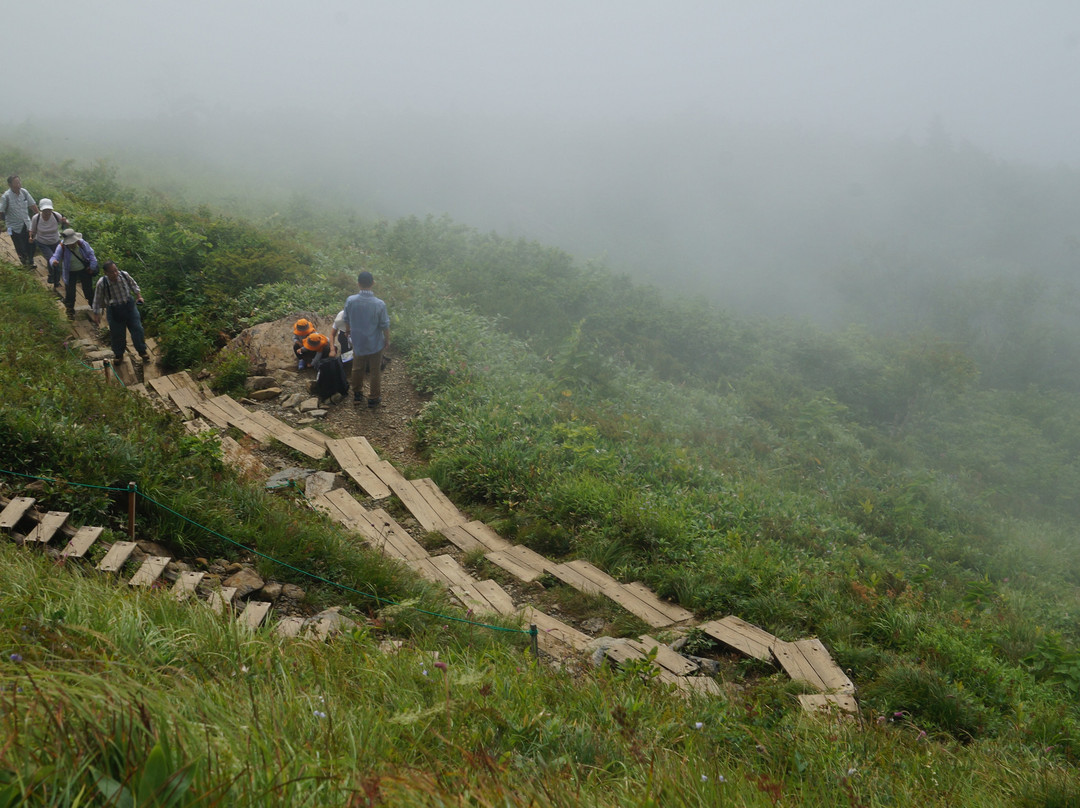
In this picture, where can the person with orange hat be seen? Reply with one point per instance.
(311, 348)
(301, 329)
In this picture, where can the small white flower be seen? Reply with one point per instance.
(320, 714)
(698, 725)
(704, 777)
(243, 669)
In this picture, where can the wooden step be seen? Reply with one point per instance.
(118, 554)
(186, 585)
(254, 613)
(82, 541)
(742, 636)
(809, 661)
(14, 511)
(220, 598)
(47, 527)
(149, 571)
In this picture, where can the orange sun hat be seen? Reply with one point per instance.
(315, 341)
(302, 328)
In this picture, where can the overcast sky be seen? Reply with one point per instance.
(1003, 75)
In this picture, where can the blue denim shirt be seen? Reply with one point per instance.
(368, 321)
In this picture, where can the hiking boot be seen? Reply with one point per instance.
(373, 402)
(358, 398)
(70, 313)
(145, 357)
(336, 398)
(300, 365)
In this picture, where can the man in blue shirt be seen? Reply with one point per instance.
(368, 327)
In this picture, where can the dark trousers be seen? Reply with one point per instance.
(47, 250)
(370, 366)
(76, 277)
(125, 317)
(21, 240)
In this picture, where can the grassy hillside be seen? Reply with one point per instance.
(876, 491)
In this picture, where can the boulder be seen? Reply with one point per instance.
(253, 383)
(265, 394)
(293, 592)
(321, 482)
(307, 405)
(246, 581)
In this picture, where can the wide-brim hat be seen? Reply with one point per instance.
(315, 341)
(302, 328)
(71, 237)
(45, 204)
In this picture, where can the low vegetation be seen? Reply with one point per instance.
(882, 492)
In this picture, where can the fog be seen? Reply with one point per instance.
(761, 153)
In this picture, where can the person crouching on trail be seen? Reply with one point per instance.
(118, 294)
(312, 348)
(78, 264)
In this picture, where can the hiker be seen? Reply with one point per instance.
(311, 350)
(16, 205)
(119, 295)
(339, 337)
(76, 260)
(367, 326)
(303, 329)
(45, 235)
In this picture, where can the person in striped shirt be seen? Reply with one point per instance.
(118, 295)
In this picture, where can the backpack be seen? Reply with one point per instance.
(330, 377)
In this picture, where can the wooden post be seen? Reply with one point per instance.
(131, 511)
(105, 367)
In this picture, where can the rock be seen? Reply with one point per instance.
(152, 548)
(317, 413)
(246, 581)
(321, 482)
(288, 475)
(293, 400)
(174, 569)
(309, 404)
(709, 667)
(265, 394)
(594, 625)
(253, 383)
(326, 624)
(270, 591)
(293, 592)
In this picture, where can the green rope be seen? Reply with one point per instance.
(312, 575)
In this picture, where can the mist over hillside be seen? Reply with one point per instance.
(771, 220)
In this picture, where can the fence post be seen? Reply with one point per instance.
(105, 366)
(131, 511)
(535, 642)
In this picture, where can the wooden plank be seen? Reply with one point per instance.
(439, 502)
(592, 573)
(313, 435)
(494, 594)
(637, 607)
(163, 385)
(14, 511)
(427, 570)
(141, 390)
(454, 573)
(186, 585)
(843, 703)
(118, 554)
(417, 505)
(368, 481)
(703, 685)
(742, 636)
(342, 451)
(390, 534)
(387, 473)
(665, 657)
(47, 527)
(254, 613)
(462, 539)
(485, 535)
(183, 379)
(511, 561)
(571, 577)
(364, 451)
(185, 399)
(554, 633)
(212, 412)
(83, 539)
(289, 627)
(150, 571)
(241, 419)
(287, 435)
(220, 598)
(471, 599)
(622, 653)
(675, 612)
(808, 661)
